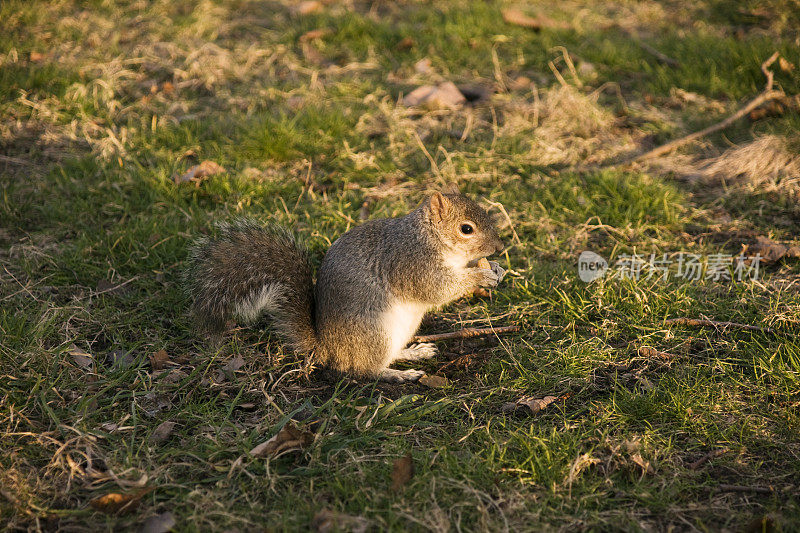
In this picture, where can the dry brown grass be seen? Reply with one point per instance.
(764, 164)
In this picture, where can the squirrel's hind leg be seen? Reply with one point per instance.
(417, 351)
(400, 376)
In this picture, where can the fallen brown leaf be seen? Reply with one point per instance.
(402, 471)
(82, 359)
(121, 358)
(443, 95)
(36, 56)
(308, 7)
(771, 251)
(642, 463)
(520, 82)
(160, 523)
(315, 34)
(197, 173)
(162, 432)
(159, 359)
(406, 43)
(434, 381)
(117, 503)
(518, 18)
(784, 64)
(533, 404)
(423, 66)
(289, 438)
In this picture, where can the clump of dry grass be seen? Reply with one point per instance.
(763, 164)
(568, 127)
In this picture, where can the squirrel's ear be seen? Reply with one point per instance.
(438, 205)
(451, 188)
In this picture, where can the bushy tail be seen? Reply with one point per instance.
(250, 269)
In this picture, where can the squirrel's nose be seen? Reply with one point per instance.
(499, 246)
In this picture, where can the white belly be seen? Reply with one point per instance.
(400, 322)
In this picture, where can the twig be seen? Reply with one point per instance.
(685, 321)
(660, 56)
(768, 94)
(13, 160)
(713, 454)
(465, 333)
(744, 488)
(502, 209)
(434, 166)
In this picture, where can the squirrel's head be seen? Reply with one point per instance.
(465, 228)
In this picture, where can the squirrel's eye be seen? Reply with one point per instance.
(467, 229)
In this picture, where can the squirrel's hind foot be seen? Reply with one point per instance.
(417, 351)
(390, 375)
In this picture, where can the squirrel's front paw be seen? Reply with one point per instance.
(487, 278)
(497, 269)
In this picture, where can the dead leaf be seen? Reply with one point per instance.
(308, 7)
(162, 432)
(117, 503)
(81, 358)
(423, 66)
(38, 56)
(773, 108)
(160, 523)
(327, 521)
(533, 404)
(520, 82)
(111, 427)
(159, 359)
(443, 95)
(289, 438)
(234, 364)
(171, 377)
(518, 18)
(639, 461)
(197, 173)
(120, 358)
(406, 43)
(402, 471)
(229, 369)
(434, 381)
(315, 34)
(771, 251)
(784, 64)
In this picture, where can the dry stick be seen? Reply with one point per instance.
(713, 454)
(13, 160)
(768, 94)
(744, 488)
(661, 57)
(502, 209)
(465, 333)
(685, 321)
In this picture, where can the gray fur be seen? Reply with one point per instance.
(419, 261)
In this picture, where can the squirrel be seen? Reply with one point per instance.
(373, 288)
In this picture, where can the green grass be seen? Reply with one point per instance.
(87, 199)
